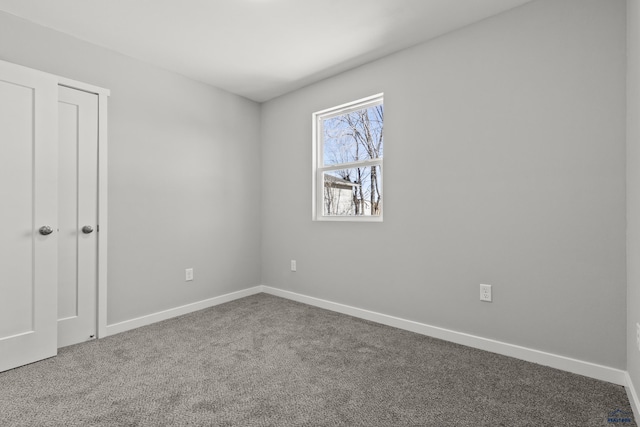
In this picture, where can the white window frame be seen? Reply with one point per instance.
(319, 168)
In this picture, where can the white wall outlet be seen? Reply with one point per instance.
(485, 293)
(293, 265)
(638, 335)
(188, 274)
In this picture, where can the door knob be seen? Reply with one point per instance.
(87, 229)
(45, 230)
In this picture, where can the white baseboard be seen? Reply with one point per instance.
(588, 369)
(127, 325)
(633, 396)
(568, 364)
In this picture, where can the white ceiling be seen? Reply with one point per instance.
(256, 48)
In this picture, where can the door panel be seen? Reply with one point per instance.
(28, 190)
(77, 207)
(16, 268)
(67, 211)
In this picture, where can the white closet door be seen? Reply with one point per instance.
(77, 215)
(28, 203)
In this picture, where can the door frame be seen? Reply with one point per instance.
(103, 227)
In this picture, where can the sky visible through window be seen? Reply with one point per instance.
(353, 137)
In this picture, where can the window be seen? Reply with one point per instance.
(347, 165)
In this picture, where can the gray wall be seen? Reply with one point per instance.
(504, 164)
(184, 162)
(633, 190)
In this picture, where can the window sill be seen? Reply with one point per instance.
(338, 218)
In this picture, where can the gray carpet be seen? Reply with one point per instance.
(266, 361)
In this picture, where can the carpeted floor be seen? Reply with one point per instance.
(267, 361)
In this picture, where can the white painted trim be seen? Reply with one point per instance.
(568, 364)
(127, 325)
(73, 84)
(358, 104)
(103, 223)
(632, 395)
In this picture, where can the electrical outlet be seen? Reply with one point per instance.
(638, 335)
(485, 293)
(293, 265)
(188, 274)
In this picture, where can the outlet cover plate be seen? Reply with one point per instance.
(485, 293)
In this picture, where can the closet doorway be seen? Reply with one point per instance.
(53, 214)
